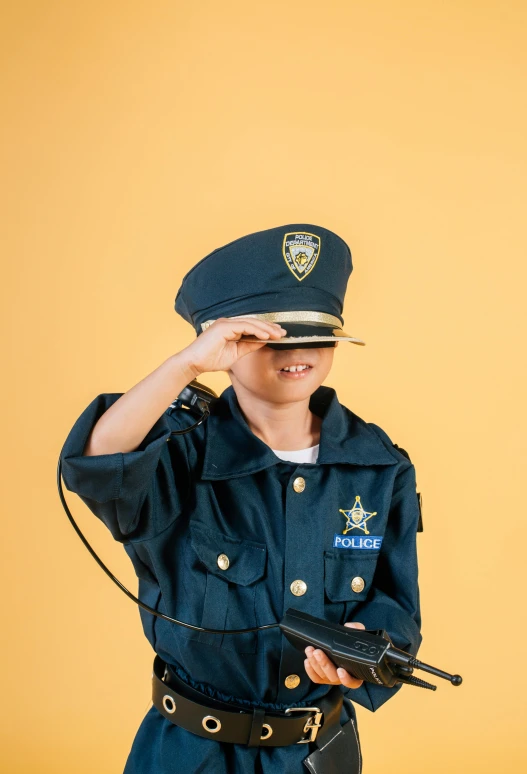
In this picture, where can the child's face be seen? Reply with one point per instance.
(260, 372)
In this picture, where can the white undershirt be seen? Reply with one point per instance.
(298, 455)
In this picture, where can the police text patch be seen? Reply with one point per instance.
(343, 541)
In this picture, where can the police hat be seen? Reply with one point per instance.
(295, 275)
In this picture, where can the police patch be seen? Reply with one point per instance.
(357, 517)
(301, 251)
(371, 543)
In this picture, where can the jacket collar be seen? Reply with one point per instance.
(232, 449)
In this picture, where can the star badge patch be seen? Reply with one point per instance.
(357, 517)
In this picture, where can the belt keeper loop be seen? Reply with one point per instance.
(256, 727)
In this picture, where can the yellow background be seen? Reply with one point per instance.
(138, 137)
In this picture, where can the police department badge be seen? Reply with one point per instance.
(356, 518)
(301, 251)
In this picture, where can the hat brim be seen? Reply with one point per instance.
(309, 332)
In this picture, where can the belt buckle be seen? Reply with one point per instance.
(313, 723)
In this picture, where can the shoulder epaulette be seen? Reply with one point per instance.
(419, 496)
(403, 451)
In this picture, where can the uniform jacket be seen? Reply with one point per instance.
(177, 502)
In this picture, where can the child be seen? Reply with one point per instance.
(282, 497)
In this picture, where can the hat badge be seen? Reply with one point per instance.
(301, 251)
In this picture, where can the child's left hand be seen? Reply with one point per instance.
(320, 669)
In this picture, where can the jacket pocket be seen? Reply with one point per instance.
(348, 579)
(232, 568)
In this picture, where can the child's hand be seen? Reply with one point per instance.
(320, 669)
(218, 347)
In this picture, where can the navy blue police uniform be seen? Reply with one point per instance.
(224, 534)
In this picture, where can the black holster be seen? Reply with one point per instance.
(338, 747)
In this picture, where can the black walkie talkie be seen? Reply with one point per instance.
(367, 655)
(196, 398)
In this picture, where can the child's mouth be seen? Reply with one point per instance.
(295, 372)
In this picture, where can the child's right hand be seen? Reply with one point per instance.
(218, 347)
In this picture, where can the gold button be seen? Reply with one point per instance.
(292, 681)
(223, 562)
(357, 584)
(299, 484)
(298, 588)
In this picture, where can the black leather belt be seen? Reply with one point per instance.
(225, 722)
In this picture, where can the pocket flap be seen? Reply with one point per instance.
(234, 560)
(348, 577)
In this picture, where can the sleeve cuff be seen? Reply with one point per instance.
(405, 635)
(107, 477)
(116, 487)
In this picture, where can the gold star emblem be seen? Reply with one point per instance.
(357, 517)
